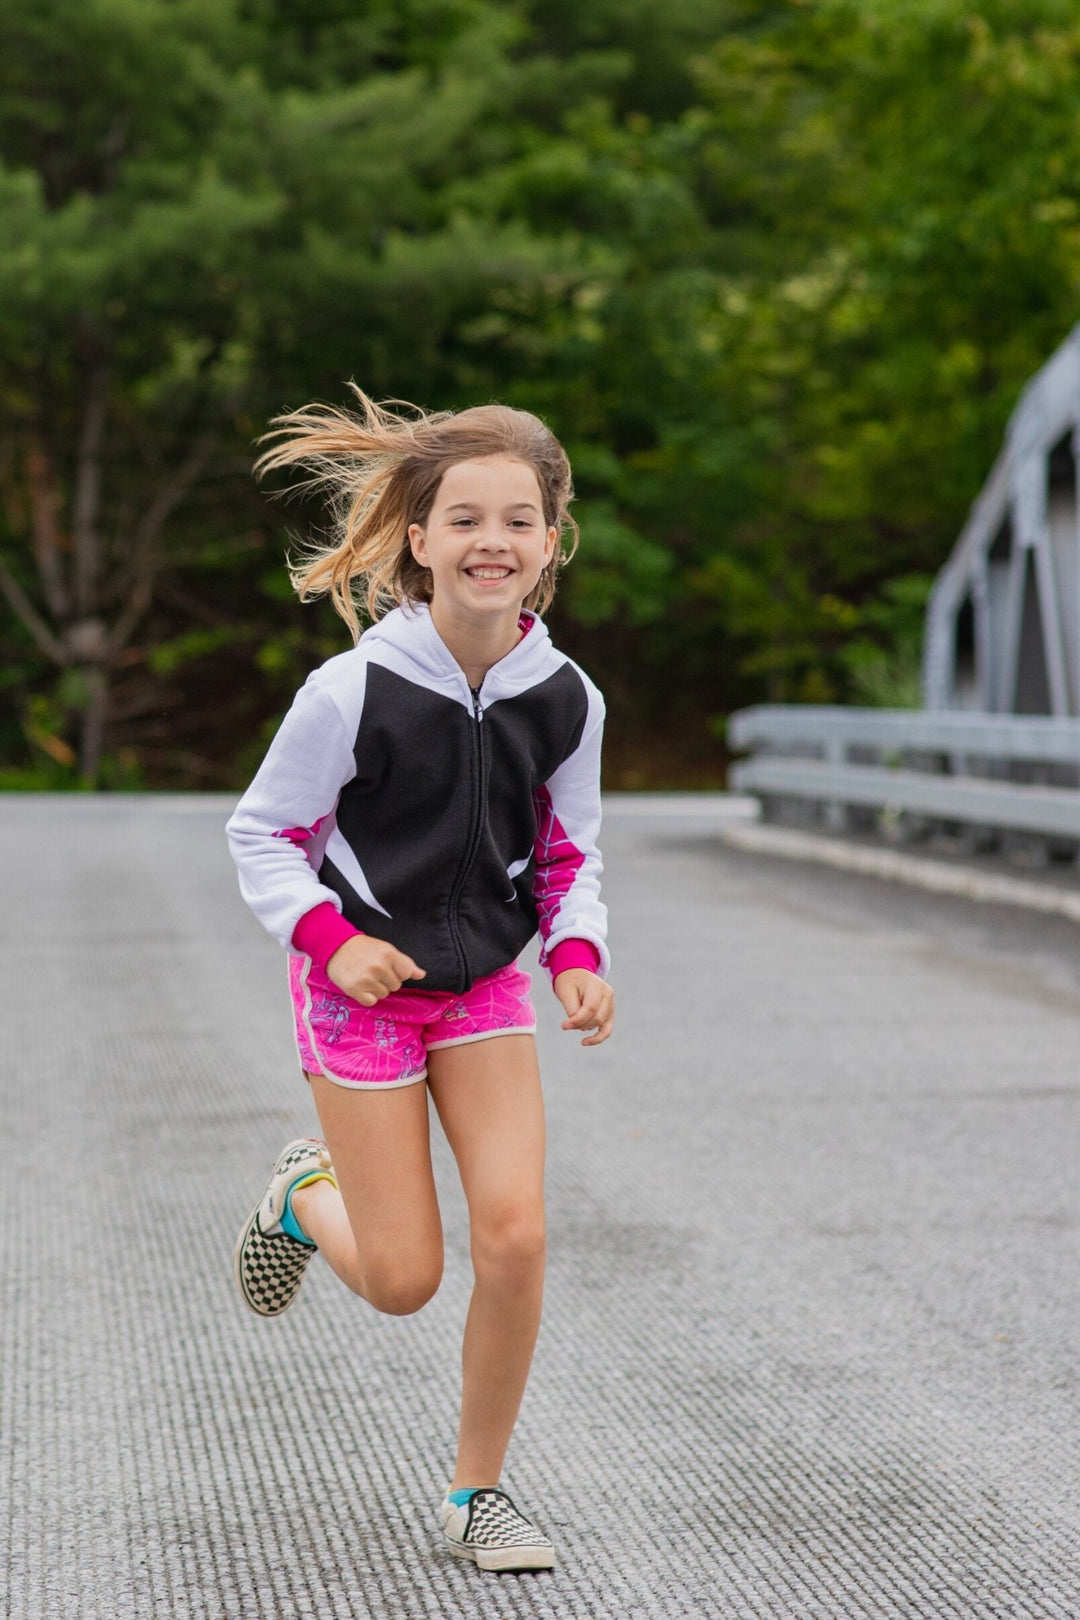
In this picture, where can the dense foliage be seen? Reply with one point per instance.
(775, 272)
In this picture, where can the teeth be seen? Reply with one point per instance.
(488, 573)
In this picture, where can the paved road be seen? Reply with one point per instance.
(811, 1335)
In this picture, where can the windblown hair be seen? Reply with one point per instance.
(381, 471)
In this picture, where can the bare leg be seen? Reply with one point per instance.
(382, 1232)
(489, 1101)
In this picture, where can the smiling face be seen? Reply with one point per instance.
(485, 542)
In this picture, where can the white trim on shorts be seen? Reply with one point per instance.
(481, 1035)
(370, 1085)
(305, 1010)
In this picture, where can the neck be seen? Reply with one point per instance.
(477, 647)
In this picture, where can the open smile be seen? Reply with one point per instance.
(494, 574)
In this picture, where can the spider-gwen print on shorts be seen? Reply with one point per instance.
(387, 1045)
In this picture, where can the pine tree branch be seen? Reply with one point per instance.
(147, 530)
(27, 613)
(85, 527)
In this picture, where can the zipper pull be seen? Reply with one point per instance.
(478, 707)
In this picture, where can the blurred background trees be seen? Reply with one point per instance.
(775, 273)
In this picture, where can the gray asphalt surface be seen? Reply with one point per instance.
(810, 1344)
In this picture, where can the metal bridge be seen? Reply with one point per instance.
(996, 752)
(1003, 628)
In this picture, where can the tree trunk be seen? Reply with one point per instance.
(87, 617)
(92, 724)
(86, 506)
(46, 528)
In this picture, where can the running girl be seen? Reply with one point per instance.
(430, 801)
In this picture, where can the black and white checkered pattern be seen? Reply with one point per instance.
(491, 1531)
(268, 1264)
(270, 1269)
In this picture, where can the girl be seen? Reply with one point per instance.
(430, 801)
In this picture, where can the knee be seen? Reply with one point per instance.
(511, 1241)
(401, 1290)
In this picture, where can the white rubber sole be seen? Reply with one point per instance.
(505, 1559)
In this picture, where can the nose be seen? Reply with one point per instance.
(490, 538)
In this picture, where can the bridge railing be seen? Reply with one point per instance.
(994, 774)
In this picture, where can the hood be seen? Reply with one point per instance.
(406, 638)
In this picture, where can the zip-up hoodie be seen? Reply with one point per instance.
(396, 801)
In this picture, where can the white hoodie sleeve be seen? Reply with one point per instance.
(278, 831)
(566, 885)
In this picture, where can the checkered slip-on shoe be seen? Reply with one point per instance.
(490, 1530)
(268, 1264)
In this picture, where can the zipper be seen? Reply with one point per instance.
(475, 832)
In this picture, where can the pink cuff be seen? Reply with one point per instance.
(322, 931)
(573, 953)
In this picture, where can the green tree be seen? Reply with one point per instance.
(214, 210)
(909, 209)
(775, 270)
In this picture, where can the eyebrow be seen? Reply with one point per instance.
(515, 506)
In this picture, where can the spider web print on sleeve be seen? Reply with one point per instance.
(299, 835)
(558, 862)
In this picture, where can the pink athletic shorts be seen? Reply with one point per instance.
(387, 1045)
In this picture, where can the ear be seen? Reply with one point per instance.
(549, 547)
(418, 545)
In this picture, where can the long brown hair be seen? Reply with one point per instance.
(381, 471)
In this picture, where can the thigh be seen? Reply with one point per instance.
(380, 1144)
(491, 1107)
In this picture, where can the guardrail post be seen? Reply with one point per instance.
(835, 814)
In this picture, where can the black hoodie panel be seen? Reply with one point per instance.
(440, 807)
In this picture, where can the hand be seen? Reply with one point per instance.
(367, 969)
(589, 1003)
